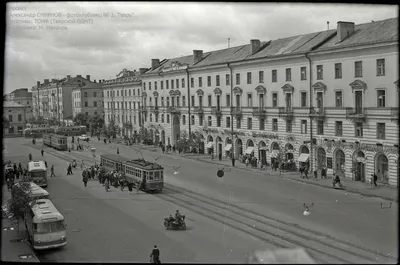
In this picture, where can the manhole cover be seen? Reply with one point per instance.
(26, 256)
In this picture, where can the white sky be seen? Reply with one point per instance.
(153, 30)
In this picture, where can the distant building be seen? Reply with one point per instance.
(23, 97)
(88, 99)
(14, 118)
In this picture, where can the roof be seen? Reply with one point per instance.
(45, 209)
(125, 76)
(36, 165)
(143, 164)
(115, 157)
(12, 104)
(89, 85)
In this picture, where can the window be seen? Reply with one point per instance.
(228, 100)
(209, 100)
(275, 125)
(380, 67)
(183, 119)
(85, 94)
(126, 93)
(155, 85)
(338, 70)
(359, 129)
(172, 84)
(177, 83)
(217, 80)
(162, 118)
(304, 126)
(192, 82)
(303, 99)
(274, 100)
(167, 118)
(149, 85)
(209, 121)
(130, 104)
(19, 117)
(192, 120)
(200, 120)
(338, 99)
(144, 85)
(288, 74)
(248, 78)
(380, 131)
(218, 121)
(237, 79)
(262, 124)
(208, 80)
(167, 84)
(320, 72)
(167, 101)
(320, 128)
(86, 104)
(238, 123)
(161, 85)
(338, 128)
(261, 76)
(183, 82)
(108, 94)
(303, 73)
(94, 94)
(381, 98)
(249, 123)
(130, 92)
(288, 126)
(95, 104)
(249, 100)
(192, 103)
(228, 122)
(227, 79)
(274, 75)
(151, 117)
(358, 69)
(86, 113)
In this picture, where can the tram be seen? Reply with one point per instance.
(71, 130)
(136, 170)
(58, 142)
(37, 132)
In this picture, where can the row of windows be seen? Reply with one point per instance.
(129, 92)
(116, 105)
(358, 72)
(86, 104)
(10, 118)
(85, 94)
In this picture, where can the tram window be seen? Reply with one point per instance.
(161, 174)
(156, 175)
(151, 176)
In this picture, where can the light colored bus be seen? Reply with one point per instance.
(37, 172)
(36, 191)
(45, 225)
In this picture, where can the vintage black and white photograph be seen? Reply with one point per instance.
(190, 132)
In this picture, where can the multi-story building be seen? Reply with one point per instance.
(23, 97)
(122, 101)
(326, 98)
(88, 99)
(15, 116)
(54, 99)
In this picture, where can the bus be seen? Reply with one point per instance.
(37, 172)
(36, 191)
(45, 225)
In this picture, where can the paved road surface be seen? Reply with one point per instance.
(336, 216)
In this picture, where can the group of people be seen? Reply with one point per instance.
(178, 218)
(14, 173)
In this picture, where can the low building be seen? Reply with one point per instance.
(14, 118)
(23, 97)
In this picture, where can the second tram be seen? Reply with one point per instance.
(58, 142)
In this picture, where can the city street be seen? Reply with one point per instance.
(226, 217)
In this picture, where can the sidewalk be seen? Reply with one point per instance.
(383, 191)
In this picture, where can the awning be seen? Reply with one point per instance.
(303, 158)
(274, 154)
(209, 145)
(228, 147)
(249, 150)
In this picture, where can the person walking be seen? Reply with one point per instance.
(306, 172)
(315, 174)
(30, 157)
(130, 187)
(85, 179)
(323, 173)
(69, 169)
(42, 152)
(82, 164)
(52, 171)
(374, 179)
(155, 255)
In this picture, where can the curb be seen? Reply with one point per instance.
(351, 190)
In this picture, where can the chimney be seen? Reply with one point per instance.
(197, 56)
(78, 76)
(142, 70)
(38, 83)
(88, 77)
(344, 29)
(68, 77)
(155, 63)
(46, 81)
(255, 46)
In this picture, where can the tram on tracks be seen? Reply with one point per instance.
(58, 142)
(71, 130)
(136, 171)
(37, 132)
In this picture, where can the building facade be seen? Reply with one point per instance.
(329, 99)
(88, 99)
(23, 97)
(122, 101)
(14, 116)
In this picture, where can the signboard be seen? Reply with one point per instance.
(329, 162)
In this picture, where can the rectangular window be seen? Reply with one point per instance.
(10, 118)
(85, 94)
(172, 84)
(192, 82)
(192, 120)
(338, 99)
(380, 131)
(167, 84)
(217, 80)
(338, 70)
(183, 82)
(320, 72)
(200, 81)
(359, 129)
(95, 104)
(380, 67)
(238, 123)
(162, 118)
(149, 85)
(261, 76)
(249, 100)
(228, 100)
(209, 100)
(338, 128)
(228, 122)
(227, 79)
(249, 123)
(303, 99)
(303, 73)
(177, 83)
(288, 74)
(156, 117)
(248, 78)
(183, 101)
(274, 100)
(304, 127)
(274, 76)
(381, 98)
(209, 121)
(208, 80)
(237, 79)
(19, 117)
(201, 121)
(320, 128)
(192, 103)
(144, 85)
(358, 69)
(183, 120)
(162, 101)
(162, 85)
(262, 124)
(167, 118)
(155, 85)
(86, 104)
(218, 121)
(288, 126)
(275, 125)
(94, 94)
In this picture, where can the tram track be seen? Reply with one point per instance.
(265, 228)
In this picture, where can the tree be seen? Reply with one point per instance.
(80, 119)
(20, 201)
(184, 143)
(54, 122)
(96, 122)
(112, 129)
(37, 120)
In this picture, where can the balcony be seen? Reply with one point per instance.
(216, 111)
(198, 110)
(259, 112)
(394, 115)
(318, 113)
(356, 114)
(174, 110)
(285, 113)
(237, 111)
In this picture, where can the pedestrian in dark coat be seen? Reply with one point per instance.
(85, 180)
(323, 173)
(130, 187)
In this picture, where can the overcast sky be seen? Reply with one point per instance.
(105, 46)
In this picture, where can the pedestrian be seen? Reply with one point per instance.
(323, 173)
(42, 152)
(138, 184)
(30, 157)
(52, 171)
(130, 187)
(155, 255)
(69, 169)
(85, 180)
(301, 172)
(315, 174)
(233, 161)
(82, 164)
(220, 156)
(45, 163)
(247, 162)
(117, 150)
(306, 172)
(374, 179)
